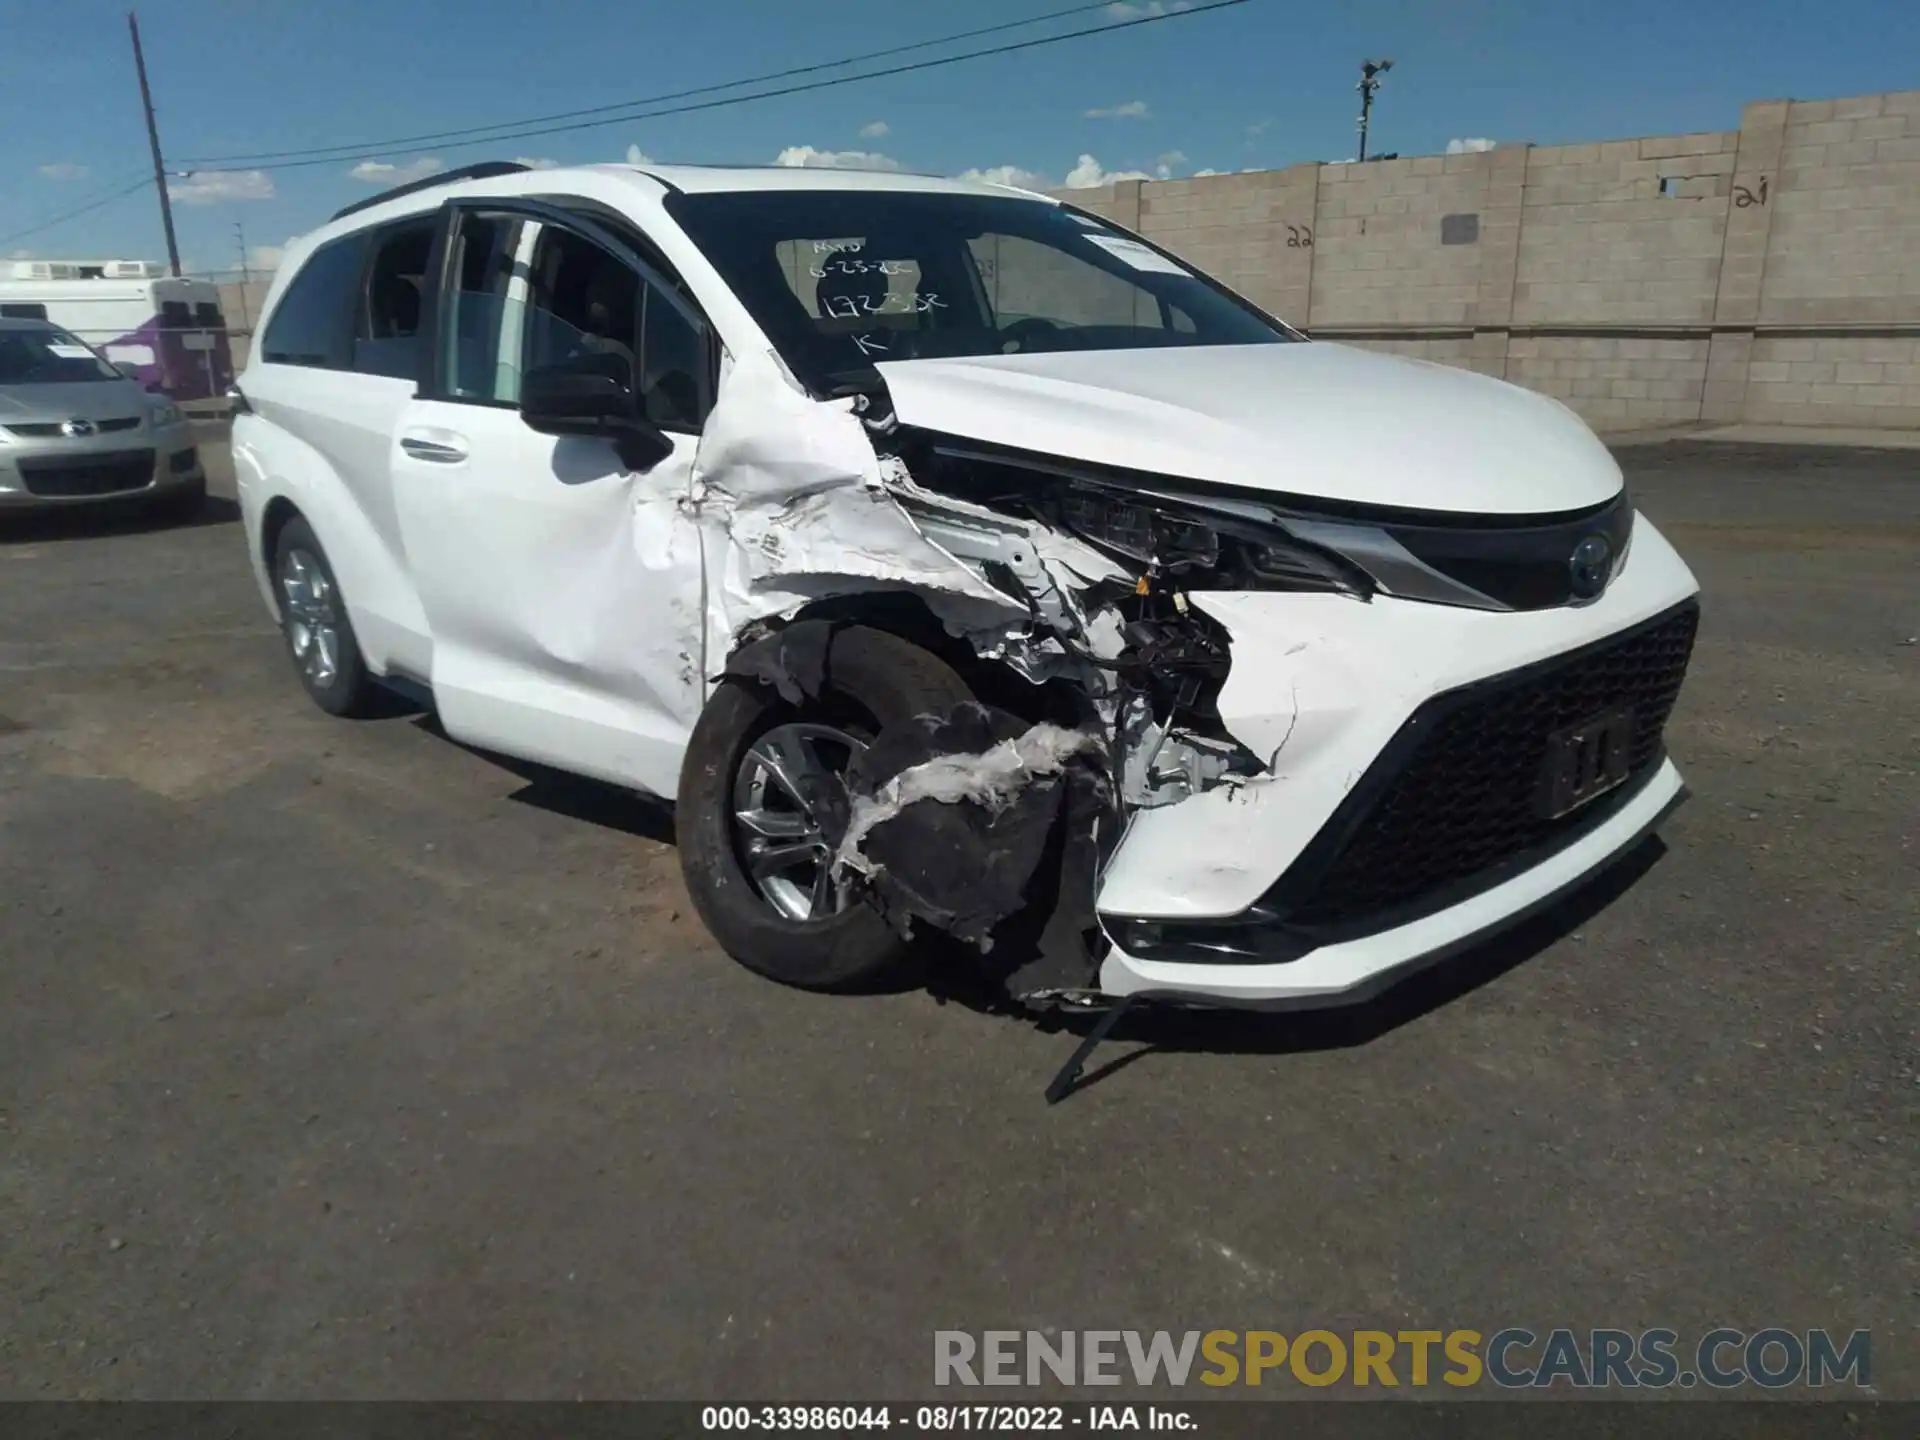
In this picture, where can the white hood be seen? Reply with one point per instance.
(1314, 419)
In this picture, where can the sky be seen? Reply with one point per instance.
(1257, 85)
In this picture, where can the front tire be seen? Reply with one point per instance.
(725, 825)
(318, 630)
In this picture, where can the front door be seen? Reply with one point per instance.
(561, 588)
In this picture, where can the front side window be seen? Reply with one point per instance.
(43, 355)
(313, 323)
(528, 296)
(844, 280)
(480, 359)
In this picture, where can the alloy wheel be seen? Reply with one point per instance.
(789, 798)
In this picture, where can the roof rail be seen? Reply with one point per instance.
(483, 170)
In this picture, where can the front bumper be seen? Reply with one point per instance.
(1319, 884)
(57, 475)
(1349, 971)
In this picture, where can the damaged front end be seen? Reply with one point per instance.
(1070, 595)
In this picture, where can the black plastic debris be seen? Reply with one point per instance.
(793, 660)
(966, 866)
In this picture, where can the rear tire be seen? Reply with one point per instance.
(318, 629)
(871, 674)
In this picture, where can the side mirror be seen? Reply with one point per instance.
(558, 400)
(127, 368)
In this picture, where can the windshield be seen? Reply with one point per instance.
(43, 355)
(841, 280)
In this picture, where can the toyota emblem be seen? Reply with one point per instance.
(1591, 567)
(78, 429)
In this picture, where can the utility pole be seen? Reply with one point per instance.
(153, 141)
(246, 277)
(1370, 73)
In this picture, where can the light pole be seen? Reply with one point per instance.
(1370, 73)
(153, 142)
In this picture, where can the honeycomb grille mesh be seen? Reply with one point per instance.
(1461, 797)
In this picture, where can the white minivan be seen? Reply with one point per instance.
(956, 560)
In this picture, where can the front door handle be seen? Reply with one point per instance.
(446, 451)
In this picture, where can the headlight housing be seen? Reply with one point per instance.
(166, 413)
(1203, 549)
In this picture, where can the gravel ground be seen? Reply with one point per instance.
(339, 1060)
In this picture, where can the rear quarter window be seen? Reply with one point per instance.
(313, 323)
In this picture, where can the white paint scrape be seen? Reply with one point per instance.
(991, 778)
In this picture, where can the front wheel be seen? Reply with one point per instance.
(763, 802)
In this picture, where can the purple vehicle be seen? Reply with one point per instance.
(166, 331)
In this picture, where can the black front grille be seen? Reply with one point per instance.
(1524, 564)
(104, 473)
(1453, 801)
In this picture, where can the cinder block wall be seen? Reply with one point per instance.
(1769, 273)
(1384, 254)
(1837, 336)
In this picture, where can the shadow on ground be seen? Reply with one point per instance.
(593, 802)
(1283, 1032)
(123, 517)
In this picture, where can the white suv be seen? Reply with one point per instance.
(957, 560)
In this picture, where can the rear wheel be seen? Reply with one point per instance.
(763, 803)
(318, 631)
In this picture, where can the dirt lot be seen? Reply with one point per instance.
(338, 1060)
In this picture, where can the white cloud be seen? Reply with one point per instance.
(65, 170)
(1132, 110)
(1167, 163)
(21, 255)
(379, 172)
(805, 157)
(1259, 128)
(637, 156)
(1088, 175)
(1135, 9)
(1468, 147)
(265, 257)
(217, 187)
(533, 162)
(874, 130)
(1198, 173)
(1008, 175)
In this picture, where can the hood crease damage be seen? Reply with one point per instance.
(963, 825)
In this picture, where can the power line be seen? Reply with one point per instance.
(919, 65)
(76, 213)
(345, 150)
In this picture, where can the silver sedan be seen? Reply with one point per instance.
(76, 431)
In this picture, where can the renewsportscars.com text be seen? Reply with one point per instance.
(1512, 1358)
